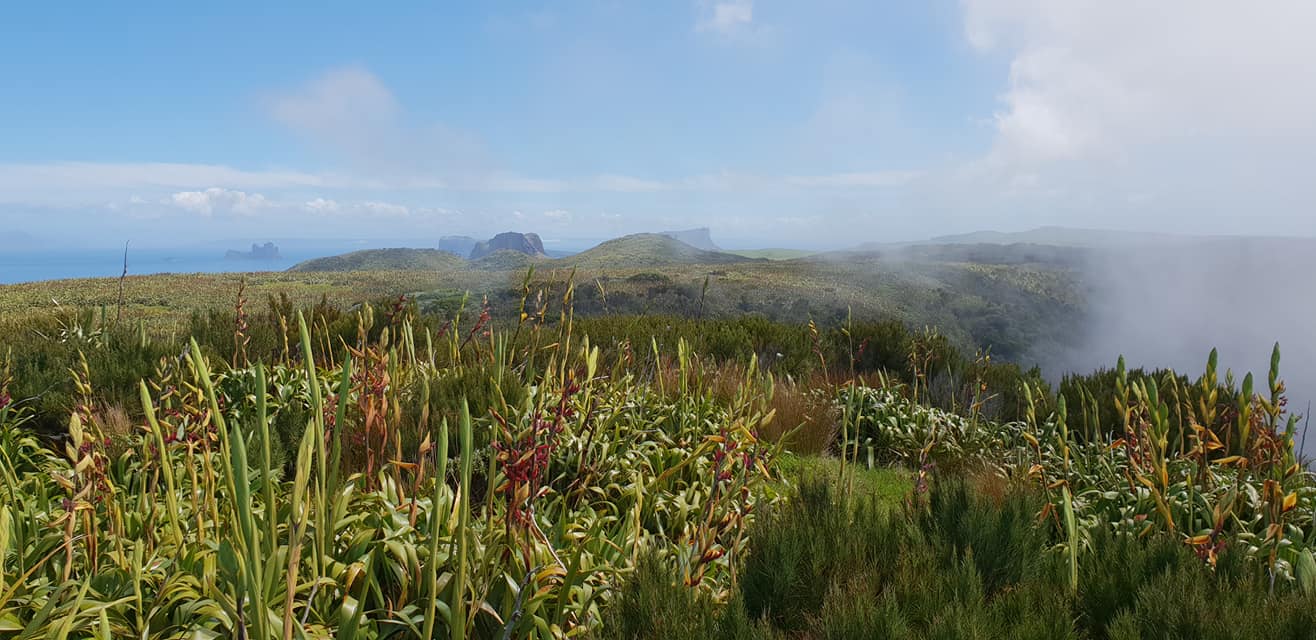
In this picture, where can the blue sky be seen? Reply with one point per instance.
(776, 123)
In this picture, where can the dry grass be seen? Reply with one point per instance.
(804, 413)
(804, 410)
(166, 297)
(117, 425)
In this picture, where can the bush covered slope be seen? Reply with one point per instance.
(646, 250)
(385, 260)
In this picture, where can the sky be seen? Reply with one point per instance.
(802, 124)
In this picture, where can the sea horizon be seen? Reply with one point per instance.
(38, 265)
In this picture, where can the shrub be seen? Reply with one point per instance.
(808, 546)
(653, 605)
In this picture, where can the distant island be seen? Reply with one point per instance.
(700, 238)
(267, 251)
(527, 243)
(460, 245)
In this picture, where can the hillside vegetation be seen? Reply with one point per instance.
(1019, 300)
(645, 250)
(385, 260)
(633, 251)
(505, 260)
(1018, 303)
(376, 471)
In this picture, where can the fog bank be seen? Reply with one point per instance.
(1169, 305)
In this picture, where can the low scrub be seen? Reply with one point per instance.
(962, 561)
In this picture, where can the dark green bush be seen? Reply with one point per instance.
(963, 566)
(975, 564)
(653, 605)
(1159, 588)
(999, 536)
(860, 611)
(46, 351)
(807, 547)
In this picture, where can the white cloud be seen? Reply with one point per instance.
(436, 212)
(1208, 103)
(626, 184)
(749, 183)
(219, 200)
(732, 21)
(372, 208)
(725, 17)
(517, 184)
(321, 205)
(353, 113)
(209, 188)
(1093, 77)
(90, 176)
(862, 179)
(558, 215)
(385, 209)
(345, 105)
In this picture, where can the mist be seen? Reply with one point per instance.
(1168, 305)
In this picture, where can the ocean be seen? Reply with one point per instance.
(57, 264)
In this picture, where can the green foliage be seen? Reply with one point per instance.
(626, 484)
(806, 546)
(653, 605)
(970, 559)
(45, 351)
(1089, 400)
(1169, 593)
(504, 260)
(1019, 308)
(828, 566)
(483, 386)
(303, 500)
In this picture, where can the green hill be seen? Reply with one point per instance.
(385, 260)
(644, 250)
(504, 260)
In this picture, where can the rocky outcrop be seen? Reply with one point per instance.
(460, 245)
(267, 251)
(527, 243)
(699, 238)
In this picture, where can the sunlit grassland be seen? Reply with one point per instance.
(173, 296)
(885, 484)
